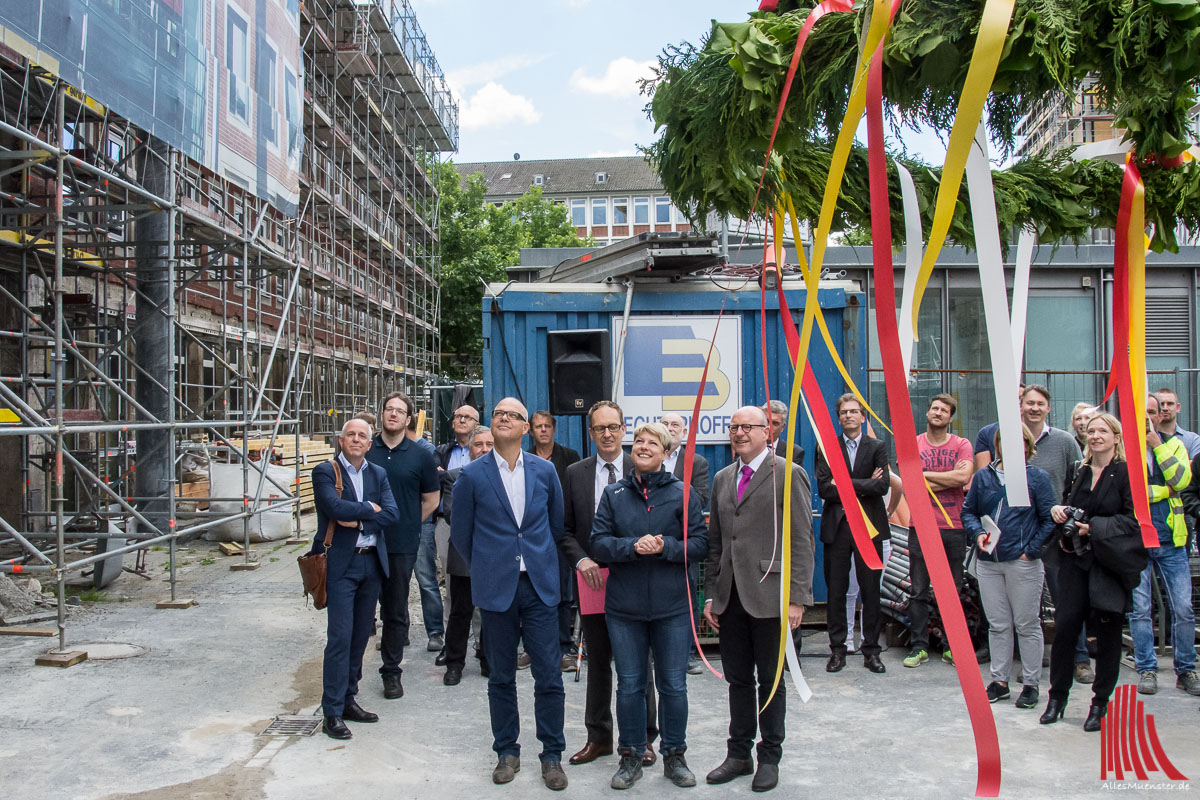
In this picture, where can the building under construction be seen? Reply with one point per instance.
(230, 238)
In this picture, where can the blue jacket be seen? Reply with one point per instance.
(1023, 531)
(485, 532)
(654, 586)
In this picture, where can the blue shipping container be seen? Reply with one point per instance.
(517, 318)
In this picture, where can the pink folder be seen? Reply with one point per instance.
(591, 601)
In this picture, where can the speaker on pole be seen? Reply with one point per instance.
(580, 370)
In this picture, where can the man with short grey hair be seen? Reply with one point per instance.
(777, 413)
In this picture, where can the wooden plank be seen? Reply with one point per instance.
(244, 567)
(181, 603)
(27, 631)
(68, 658)
(230, 548)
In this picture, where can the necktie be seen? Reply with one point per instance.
(612, 474)
(851, 451)
(744, 481)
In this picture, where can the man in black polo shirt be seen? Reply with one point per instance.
(413, 477)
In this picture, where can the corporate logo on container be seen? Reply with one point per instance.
(1130, 749)
(664, 361)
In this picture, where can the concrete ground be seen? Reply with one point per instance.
(181, 721)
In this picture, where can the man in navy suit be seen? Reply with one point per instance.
(508, 518)
(357, 562)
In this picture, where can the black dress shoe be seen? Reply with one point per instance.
(453, 676)
(873, 663)
(356, 713)
(440, 661)
(392, 688)
(837, 661)
(729, 769)
(1054, 711)
(1095, 715)
(336, 729)
(766, 777)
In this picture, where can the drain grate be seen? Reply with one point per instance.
(293, 726)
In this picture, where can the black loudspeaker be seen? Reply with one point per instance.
(580, 370)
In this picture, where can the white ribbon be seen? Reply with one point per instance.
(913, 252)
(1001, 337)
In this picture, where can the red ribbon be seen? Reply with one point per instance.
(829, 439)
(983, 725)
(1121, 376)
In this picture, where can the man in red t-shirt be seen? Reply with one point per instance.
(947, 462)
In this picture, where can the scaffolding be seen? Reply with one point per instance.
(150, 308)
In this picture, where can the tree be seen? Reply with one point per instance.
(478, 242)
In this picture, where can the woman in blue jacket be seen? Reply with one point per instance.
(638, 532)
(1011, 575)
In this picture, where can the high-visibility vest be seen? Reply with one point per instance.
(1175, 472)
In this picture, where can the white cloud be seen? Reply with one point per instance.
(493, 105)
(619, 80)
(463, 78)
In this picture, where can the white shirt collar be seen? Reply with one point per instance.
(502, 462)
(757, 461)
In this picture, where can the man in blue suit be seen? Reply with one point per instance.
(357, 562)
(508, 518)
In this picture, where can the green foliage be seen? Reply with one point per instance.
(714, 107)
(479, 241)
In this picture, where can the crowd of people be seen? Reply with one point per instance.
(548, 546)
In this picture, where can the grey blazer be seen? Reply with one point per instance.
(740, 540)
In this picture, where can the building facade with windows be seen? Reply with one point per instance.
(609, 198)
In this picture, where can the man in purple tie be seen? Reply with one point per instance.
(745, 532)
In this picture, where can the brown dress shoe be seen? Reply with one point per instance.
(649, 757)
(553, 775)
(590, 752)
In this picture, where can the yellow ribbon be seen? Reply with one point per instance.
(989, 45)
(1137, 313)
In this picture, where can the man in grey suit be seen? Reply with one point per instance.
(585, 482)
(745, 532)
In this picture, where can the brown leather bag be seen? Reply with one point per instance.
(314, 567)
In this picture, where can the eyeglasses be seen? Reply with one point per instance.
(599, 429)
(502, 414)
(465, 417)
(396, 410)
(746, 428)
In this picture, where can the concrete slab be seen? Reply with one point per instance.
(180, 722)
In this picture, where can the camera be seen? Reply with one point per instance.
(1071, 530)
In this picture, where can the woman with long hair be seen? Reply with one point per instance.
(1099, 555)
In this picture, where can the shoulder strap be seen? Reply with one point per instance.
(337, 483)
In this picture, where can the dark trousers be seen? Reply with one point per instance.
(838, 555)
(566, 606)
(350, 616)
(530, 619)
(1071, 610)
(954, 542)
(749, 644)
(597, 710)
(393, 611)
(458, 629)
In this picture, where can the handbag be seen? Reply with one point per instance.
(314, 566)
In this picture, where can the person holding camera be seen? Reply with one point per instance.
(1099, 555)
(1010, 570)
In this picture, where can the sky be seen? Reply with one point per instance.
(559, 78)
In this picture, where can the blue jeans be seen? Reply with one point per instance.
(1171, 563)
(530, 619)
(632, 640)
(427, 579)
